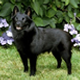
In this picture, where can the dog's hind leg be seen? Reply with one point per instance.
(58, 57)
(33, 60)
(67, 58)
(24, 60)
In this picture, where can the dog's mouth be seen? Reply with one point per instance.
(18, 28)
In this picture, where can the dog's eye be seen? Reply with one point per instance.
(23, 18)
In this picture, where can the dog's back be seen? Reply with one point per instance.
(48, 39)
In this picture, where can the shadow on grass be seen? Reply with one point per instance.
(50, 67)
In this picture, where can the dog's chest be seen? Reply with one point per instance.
(23, 43)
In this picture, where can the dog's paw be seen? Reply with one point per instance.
(58, 66)
(25, 69)
(32, 74)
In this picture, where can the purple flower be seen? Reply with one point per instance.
(10, 42)
(6, 40)
(3, 20)
(6, 37)
(6, 24)
(76, 44)
(72, 32)
(76, 39)
(3, 23)
(2, 41)
(68, 27)
(71, 29)
(9, 33)
(74, 14)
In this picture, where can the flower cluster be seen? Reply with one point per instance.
(71, 29)
(76, 39)
(6, 37)
(3, 23)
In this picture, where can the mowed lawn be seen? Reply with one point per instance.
(11, 67)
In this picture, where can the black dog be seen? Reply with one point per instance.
(31, 41)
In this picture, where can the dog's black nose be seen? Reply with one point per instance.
(18, 24)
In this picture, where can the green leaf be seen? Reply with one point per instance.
(6, 10)
(41, 12)
(53, 20)
(46, 21)
(50, 13)
(33, 0)
(66, 18)
(67, 2)
(1, 2)
(78, 27)
(58, 4)
(54, 7)
(43, 22)
(78, 14)
(74, 3)
(46, 1)
(59, 14)
(38, 21)
(69, 8)
(70, 14)
(60, 20)
(13, 1)
(52, 24)
(36, 6)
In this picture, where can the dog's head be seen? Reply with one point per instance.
(21, 20)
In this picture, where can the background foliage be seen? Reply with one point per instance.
(53, 12)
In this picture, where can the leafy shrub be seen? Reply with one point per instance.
(53, 12)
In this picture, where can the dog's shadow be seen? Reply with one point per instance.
(50, 67)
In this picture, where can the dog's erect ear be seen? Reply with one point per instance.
(15, 10)
(29, 12)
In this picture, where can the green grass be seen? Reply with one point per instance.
(11, 67)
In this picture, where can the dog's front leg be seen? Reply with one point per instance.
(24, 60)
(33, 60)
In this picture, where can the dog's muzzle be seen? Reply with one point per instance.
(18, 28)
(18, 25)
